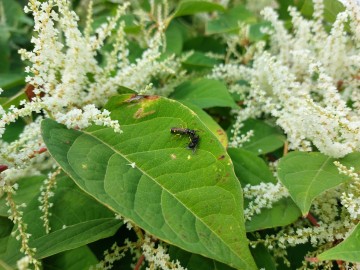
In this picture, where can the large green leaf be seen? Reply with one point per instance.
(229, 21)
(8, 80)
(72, 224)
(331, 9)
(250, 169)
(348, 250)
(204, 93)
(190, 7)
(307, 175)
(189, 199)
(209, 122)
(198, 61)
(281, 213)
(263, 258)
(79, 258)
(193, 261)
(28, 188)
(266, 138)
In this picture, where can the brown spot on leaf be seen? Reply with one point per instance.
(151, 97)
(173, 156)
(136, 98)
(140, 113)
(221, 157)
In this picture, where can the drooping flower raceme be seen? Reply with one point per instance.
(305, 81)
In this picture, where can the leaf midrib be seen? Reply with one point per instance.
(91, 134)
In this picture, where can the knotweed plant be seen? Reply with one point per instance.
(307, 81)
(266, 161)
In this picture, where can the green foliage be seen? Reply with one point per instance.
(144, 192)
(348, 250)
(187, 191)
(190, 7)
(307, 175)
(229, 21)
(266, 138)
(205, 93)
(72, 227)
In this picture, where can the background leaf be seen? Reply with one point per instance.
(198, 61)
(266, 138)
(229, 21)
(192, 200)
(75, 259)
(204, 93)
(189, 7)
(348, 250)
(307, 175)
(73, 225)
(250, 169)
(195, 261)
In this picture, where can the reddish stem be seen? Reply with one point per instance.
(139, 262)
(312, 220)
(3, 168)
(37, 152)
(312, 259)
(340, 264)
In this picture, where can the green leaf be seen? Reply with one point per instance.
(5, 229)
(204, 93)
(307, 175)
(28, 188)
(331, 9)
(282, 213)
(13, 130)
(5, 50)
(348, 250)
(190, 7)
(195, 261)
(209, 122)
(174, 39)
(255, 33)
(9, 80)
(75, 236)
(229, 21)
(72, 224)
(191, 200)
(266, 138)
(13, 11)
(79, 258)
(205, 44)
(198, 61)
(250, 169)
(6, 103)
(263, 258)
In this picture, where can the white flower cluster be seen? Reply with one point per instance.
(111, 256)
(68, 72)
(83, 118)
(157, 257)
(262, 196)
(305, 81)
(20, 231)
(317, 236)
(350, 198)
(46, 192)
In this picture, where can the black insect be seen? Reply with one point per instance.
(194, 138)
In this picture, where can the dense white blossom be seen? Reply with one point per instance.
(305, 82)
